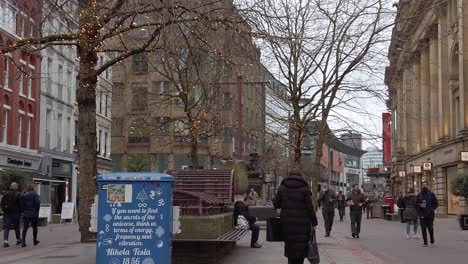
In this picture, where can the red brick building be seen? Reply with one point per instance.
(19, 86)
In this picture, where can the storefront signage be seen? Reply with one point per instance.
(464, 156)
(417, 169)
(402, 173)
(19, 162)
(427, 166)
(351, 171)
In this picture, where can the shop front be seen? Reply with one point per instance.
(27, 162)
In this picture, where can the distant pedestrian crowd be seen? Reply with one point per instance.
(14, 205)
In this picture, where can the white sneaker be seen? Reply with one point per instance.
(408, 237)
(416, 236)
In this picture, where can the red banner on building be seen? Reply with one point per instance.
(387, 138)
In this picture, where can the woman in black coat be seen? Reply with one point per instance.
(297, 216)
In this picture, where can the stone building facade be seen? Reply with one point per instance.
(149, 118)
(429, 97)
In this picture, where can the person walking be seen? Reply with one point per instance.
(30, 204)
(410, 214)
(355, 201)
(340, 204)
(11, 207)
(327, 201)
(426, 203)
(241, 208)
(297, 216)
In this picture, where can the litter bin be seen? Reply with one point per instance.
(391, 202)
(134, 218)
(385, 210)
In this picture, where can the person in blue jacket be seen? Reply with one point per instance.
(426, 203)
(30, 204)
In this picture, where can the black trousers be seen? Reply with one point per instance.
(295, 261)
(356, 217)
(427, 224)
(341, 211)
(255, 233)
(33, 222)
(10, 220)
(328, 219)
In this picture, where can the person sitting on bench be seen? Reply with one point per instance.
(241, 208)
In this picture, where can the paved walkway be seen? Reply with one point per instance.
(381, 242)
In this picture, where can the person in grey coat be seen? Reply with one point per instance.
(410, 214)
(327, 201)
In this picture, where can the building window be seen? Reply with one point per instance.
(59, 132)
(69, 130)
(77, 139)
(5, 126)
(21, 79)
(31, 28)
(140, 63)
(28, 132)
(48, 127)
(6, 72)
(105, 145)
(22, 28)
(8, 16)
(99, 142)
(20, 129)
(226, 101)
(162, 125)
(106, 105)
(117, 91)
(162, 88)
(59, 83)
(30, 80)
(117, 127)
(69, 86)
(139, 96)
(100, 102)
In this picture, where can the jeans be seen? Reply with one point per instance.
(356, 217)
(255, 233)
(427, 224)
(26, 222)
(328, 219)
(415, 226)
(295, 261)
(341, 211)
(9, 220)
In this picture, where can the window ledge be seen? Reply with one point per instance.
(22, 95)
(31, 99)
(8, 89)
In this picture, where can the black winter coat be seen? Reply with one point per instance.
(409, 204)
(241, 209)
(11, 203)
(31, 204)
(297, 215)
(431, 204)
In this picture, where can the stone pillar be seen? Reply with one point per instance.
(417, 102)
(440, 190)
(464, 68)
(171, 162)
(425, 111)
(409, 109)
(434, 86)
(402, 114)
(444, 89)
(123, 163)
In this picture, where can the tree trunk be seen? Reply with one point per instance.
(86, 98)
(297, 143)
(193, 141)
(316, 170)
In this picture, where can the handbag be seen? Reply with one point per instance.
(313, 255)
(242, 223)
(274, 232)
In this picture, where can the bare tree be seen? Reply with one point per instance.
(317, 46)
(106, 27)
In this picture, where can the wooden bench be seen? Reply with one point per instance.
(205, 251)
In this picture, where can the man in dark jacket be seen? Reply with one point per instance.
(340, 204)
(427, 203)
(297, 216)
(11, 207)
(327, 202)
(356, 200)
(242, 208)
(30, 204)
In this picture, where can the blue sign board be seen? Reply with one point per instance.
(134, 218)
